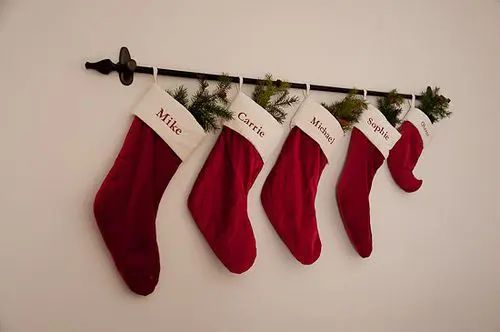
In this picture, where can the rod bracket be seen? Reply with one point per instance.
(125, 67)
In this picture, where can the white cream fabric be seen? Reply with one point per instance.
(373, 124)
(255, 124)
(319, 124)
(170, 120)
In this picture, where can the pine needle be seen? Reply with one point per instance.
(391, 106)
(347, 110)
(208, 108)
(274, 97)
(180, 94)
(434, 105)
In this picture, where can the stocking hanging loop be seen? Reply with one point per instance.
(365, 93)
(412, 100)
(155, 75)
(240, 79)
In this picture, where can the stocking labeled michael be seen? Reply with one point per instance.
(289, 193)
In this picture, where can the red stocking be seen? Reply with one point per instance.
(404, 156)
(125, 206)
(218, 200)
(353, 190)
(289, 192)
(371, 140)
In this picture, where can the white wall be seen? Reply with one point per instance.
(435, 265)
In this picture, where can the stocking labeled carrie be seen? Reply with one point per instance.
(218, 200)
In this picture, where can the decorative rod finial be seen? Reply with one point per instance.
(105, 66)
(125, 67)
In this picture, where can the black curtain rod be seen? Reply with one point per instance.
(126, 67)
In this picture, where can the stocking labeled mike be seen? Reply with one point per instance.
(164, 132)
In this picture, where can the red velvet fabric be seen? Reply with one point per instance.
(404, 157)
(218, 200)
(125, 206)
(353, 190)
(289, 193)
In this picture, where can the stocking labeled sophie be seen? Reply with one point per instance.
(416, 132)
(218, 200)
(371, 140)
(289, 192)
(163, 134)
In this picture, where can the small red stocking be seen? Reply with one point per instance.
(218, 200)
(289, 192)
(415, 134)
(161, 135)
(371, 140)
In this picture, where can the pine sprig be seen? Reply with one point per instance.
(181, 95)
(347, 110)
(223, 86)
(391, 106)
(274, 97)
(208, 108)
(434, 105)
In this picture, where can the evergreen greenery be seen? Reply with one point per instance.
(434, 105)
(391, 106)
(347, 110)
(274, 97)
(208, 108)
(181, 95)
